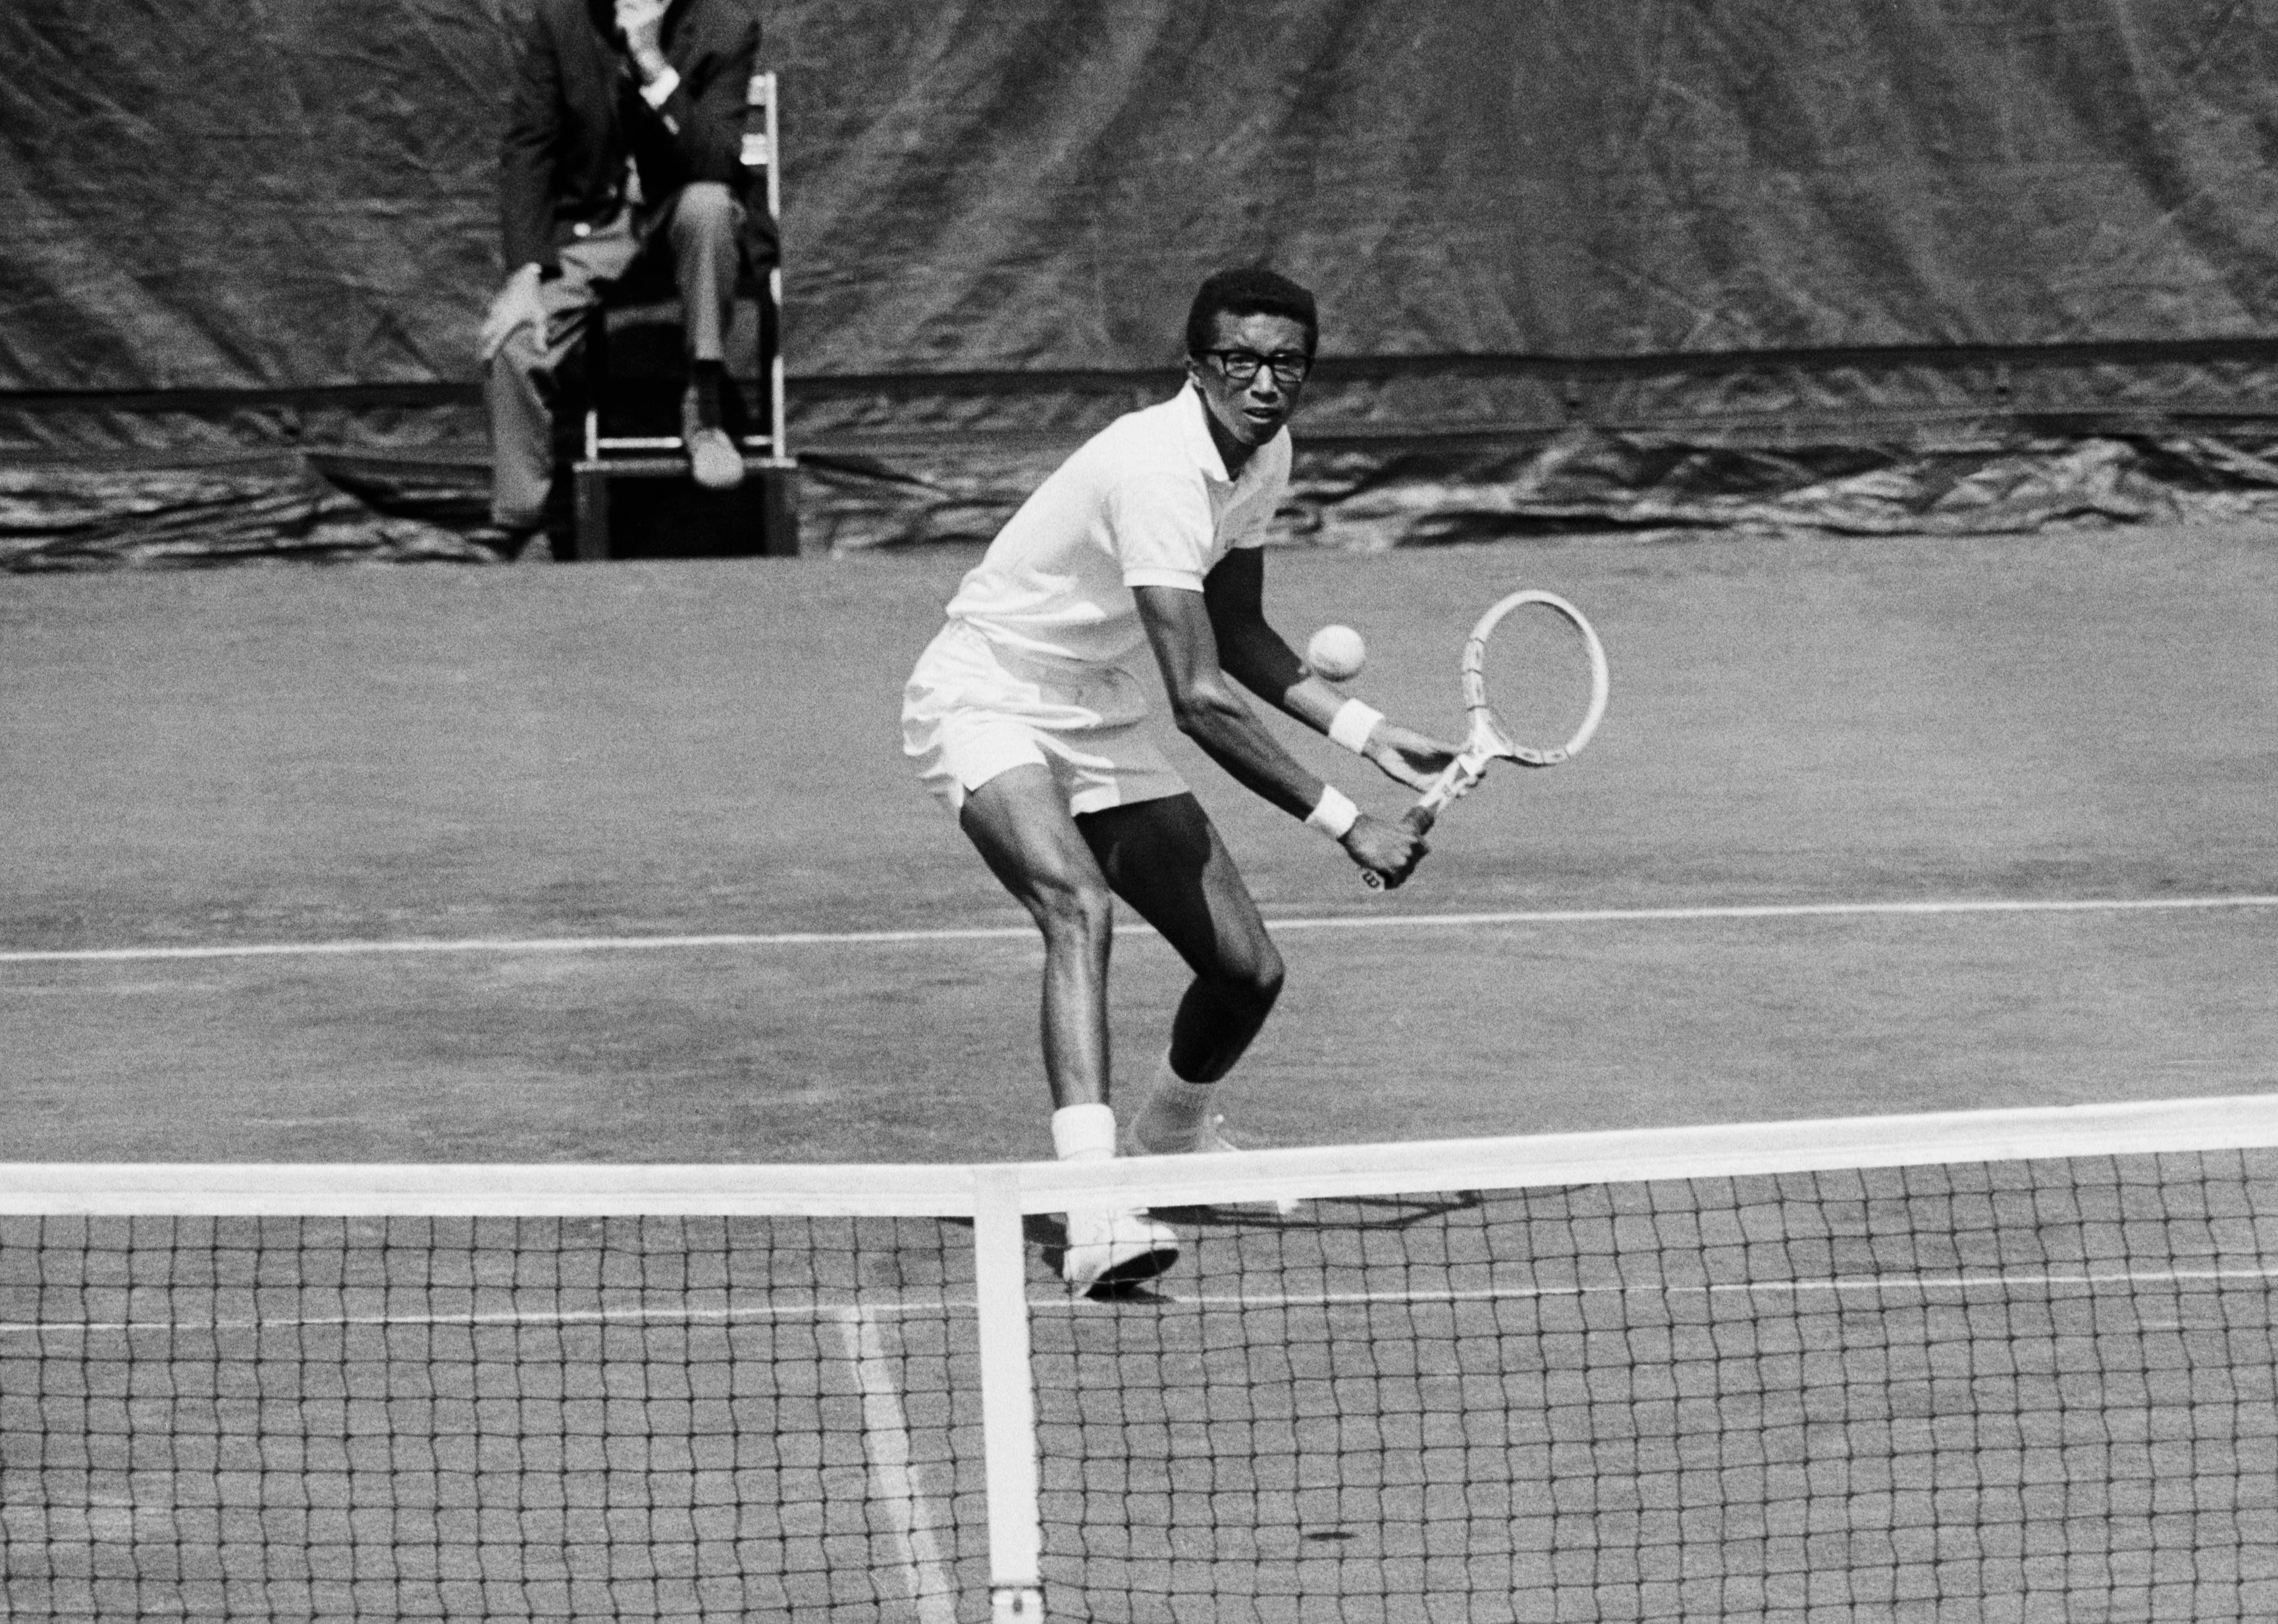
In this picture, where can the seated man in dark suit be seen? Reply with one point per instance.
(624, 143)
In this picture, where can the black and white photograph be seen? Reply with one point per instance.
(1173, 812)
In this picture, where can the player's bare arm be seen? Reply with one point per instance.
(1255, 655)
(1208, 709)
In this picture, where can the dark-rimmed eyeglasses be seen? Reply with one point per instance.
(1241, 366)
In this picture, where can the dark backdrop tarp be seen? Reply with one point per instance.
(234, 224)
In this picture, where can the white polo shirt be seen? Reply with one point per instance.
(1145, 502)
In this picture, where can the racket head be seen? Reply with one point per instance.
(1584, 687)
(1492, 733)
(1490, 737)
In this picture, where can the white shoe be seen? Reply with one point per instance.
(1107, 1249)
(1210, 1140)
(714, 463)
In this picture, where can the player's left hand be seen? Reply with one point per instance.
(1412, 757)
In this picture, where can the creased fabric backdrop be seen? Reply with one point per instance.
(242, 223)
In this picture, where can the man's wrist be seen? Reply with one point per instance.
(1333, 814)
(1353, 724)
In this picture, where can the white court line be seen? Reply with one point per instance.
(1016, 933)
(1922, 1284)
(886, 1440)
(871, 1316)
(520, 1317)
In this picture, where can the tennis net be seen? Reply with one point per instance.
(2012, 1365)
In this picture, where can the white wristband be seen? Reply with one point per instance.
(1352, 724)
(1333, 814)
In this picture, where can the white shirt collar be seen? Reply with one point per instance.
(1201, 445)
(1195, 436)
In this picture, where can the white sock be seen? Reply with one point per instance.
(1083, 1132)
(1174, 1111)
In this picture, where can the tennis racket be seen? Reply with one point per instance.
(1491, 738)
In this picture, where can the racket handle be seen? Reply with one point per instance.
(1419, 819)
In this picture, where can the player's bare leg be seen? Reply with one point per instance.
(1021, 824)
(1165, 857)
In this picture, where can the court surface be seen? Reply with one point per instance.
(2039, 1390)
(623, 862)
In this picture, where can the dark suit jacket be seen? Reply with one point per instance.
(577, 112)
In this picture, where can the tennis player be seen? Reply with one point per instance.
(1026, 715)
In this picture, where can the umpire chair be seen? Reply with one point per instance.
(632, 493)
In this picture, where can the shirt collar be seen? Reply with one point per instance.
(1195, 435)
(604, 16)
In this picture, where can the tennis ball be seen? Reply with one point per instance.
(1337, 653)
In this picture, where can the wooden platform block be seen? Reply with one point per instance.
(649, 509)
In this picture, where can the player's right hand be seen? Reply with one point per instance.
(1414, 758)
(1390, 851)
(516, 306)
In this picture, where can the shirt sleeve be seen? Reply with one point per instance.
(694, 130)
(526, 151)
(1159, 527)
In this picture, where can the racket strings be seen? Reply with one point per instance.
(1536, 675)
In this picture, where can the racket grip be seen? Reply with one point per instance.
(1419, 819)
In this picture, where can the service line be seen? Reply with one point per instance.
(1014, 932)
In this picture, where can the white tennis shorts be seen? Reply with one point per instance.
(973, 709)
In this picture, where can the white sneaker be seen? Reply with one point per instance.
(1107, 1249)
(1210, 1140)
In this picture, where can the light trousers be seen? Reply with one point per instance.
(699, 228)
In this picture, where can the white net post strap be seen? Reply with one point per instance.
(1008, 1409)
